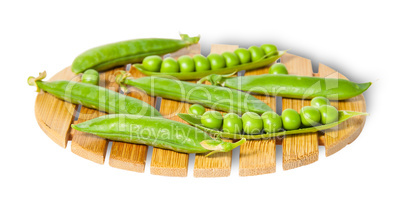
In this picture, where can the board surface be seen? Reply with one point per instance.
(256, 157)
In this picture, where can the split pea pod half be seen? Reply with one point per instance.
(93, 96)
(219, 98)
(155, 131)
(291, 86)
(131, 51)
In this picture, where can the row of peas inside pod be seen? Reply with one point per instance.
(200, 63)
(319, 113)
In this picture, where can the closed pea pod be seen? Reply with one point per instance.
(156, 132)
(93, 96)
(132, 51)
(291, 86)
(218, 98)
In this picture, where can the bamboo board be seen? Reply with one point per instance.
(256, 157)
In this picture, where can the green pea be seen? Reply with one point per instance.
(319, 101)
(278, 68)
(269, 49)
(196, 109)
(152, 63)
(252, 123)
(212, 119)
(186, 63)
(201, 63)
(310, 116)
(232, 123)
(231, 59)
(291, 119)
(217, 61)
(272, 121)
(256, 53)
(90, 76)
(169, 65)
(329, 114)
(243, 54)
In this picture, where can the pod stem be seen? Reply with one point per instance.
(190, 40)
(220, 146)
(120, 78)
(32, 80)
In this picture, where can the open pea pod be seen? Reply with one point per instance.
(198, 75)
(196, 121)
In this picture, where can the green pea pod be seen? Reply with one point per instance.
(219, 98)
(156, 132)
(267, 60)
(291, 86)
(93, 96)
(196, 121)
(131, 51)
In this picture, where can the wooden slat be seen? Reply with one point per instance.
(298, 150)
(87, 145)
(337, 138)
(167, 162)
(127, 156)
(53, 115)
(258, 156)
(218, 164)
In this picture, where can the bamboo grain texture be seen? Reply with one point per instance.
(257, 157)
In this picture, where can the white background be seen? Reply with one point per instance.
(361, 40)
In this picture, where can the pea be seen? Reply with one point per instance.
(256, 53)
(186, 63)
(252, 123)
(231, 59)
(310, 116)
(212, 119)
(291, 119)
(196, 109)
(217, 61)
(232, 123)
(319, 101)
(329, 114)
(201, 63)
(152, 63)
(169, 65)
(269, 49)
(243, 54)
(90, 76)
(272, 121)
(278, 68)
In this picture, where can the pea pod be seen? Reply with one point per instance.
(196, 121)
(93, 96)
(131, 51)
(155, 131)
(265, 61)
(291, 86)
(219, 98)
